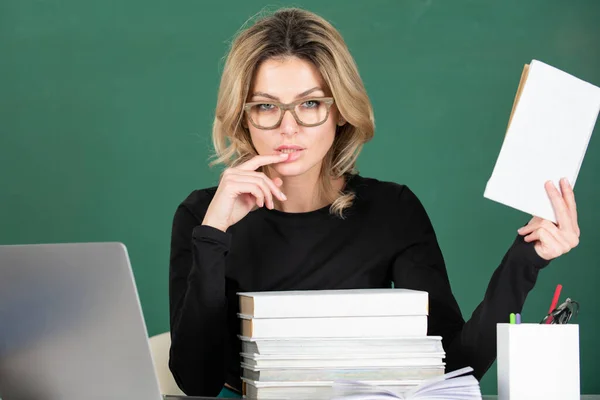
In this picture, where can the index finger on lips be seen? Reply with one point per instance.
(259, 161)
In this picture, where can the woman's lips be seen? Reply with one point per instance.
(294, 153)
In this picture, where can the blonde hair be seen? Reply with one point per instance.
(297, 33)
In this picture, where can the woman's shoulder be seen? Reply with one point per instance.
(394, 201)
(197, 202)
(373, 189)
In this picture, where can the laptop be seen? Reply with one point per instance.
(71, 325)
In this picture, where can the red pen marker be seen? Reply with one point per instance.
(554, 302)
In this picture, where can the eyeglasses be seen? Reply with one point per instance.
(306, 112)
(563, 313)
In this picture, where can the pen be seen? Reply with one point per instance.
(554, 302)
(512, 318)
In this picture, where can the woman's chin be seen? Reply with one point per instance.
(291, 169)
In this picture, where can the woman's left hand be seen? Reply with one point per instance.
(553, 240)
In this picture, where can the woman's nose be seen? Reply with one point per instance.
(288, 126)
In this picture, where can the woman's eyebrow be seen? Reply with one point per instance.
(269, 96)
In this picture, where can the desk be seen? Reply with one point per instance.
(583, 397)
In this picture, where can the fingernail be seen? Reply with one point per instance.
(283, 195)
(284, 155)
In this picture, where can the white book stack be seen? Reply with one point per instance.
(298, 344)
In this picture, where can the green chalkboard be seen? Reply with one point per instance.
(106, 110)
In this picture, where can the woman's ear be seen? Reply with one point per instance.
(341, 121)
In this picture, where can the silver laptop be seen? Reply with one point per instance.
(71, 325)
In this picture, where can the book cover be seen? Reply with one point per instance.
(334, 303)
(554, 114)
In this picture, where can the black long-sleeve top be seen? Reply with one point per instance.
(386, 236)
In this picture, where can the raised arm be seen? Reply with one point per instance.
(200, 340)
(420, 265)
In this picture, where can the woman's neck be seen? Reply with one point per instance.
(303, 192)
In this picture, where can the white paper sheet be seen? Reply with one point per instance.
(547, 139)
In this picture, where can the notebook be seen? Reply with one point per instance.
(331, 346)
(553, 116)
(356, 327)
(344, 360)
(455, 385)
(332, 373)
(334, 303)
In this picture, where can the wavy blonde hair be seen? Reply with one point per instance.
(293, 32)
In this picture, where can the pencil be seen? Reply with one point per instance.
(554, 302)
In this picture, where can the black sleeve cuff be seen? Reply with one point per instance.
(526, 251)
(211, 234)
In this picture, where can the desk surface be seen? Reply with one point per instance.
(583, 397)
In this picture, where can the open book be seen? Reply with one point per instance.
(455, 385)
(549, 129)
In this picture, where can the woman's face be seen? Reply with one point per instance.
(287, 80)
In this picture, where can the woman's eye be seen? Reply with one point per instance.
(311, 104)
(266, 107)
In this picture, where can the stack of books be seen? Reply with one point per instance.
(298, 344)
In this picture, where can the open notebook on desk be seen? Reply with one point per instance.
(455, 385)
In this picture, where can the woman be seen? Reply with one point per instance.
(290, 212)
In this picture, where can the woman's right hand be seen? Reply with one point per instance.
(242, 190)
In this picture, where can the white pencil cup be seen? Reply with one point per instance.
(538, 361)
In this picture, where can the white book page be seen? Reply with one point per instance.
(547, 139)
(451, 386)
